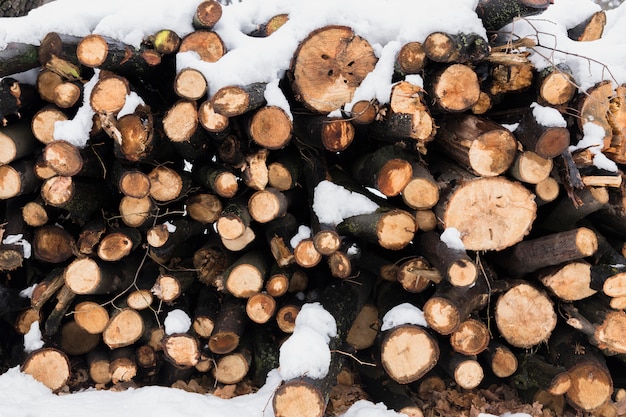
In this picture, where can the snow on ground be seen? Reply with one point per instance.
(386, 25)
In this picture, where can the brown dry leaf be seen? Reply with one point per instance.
(226, 392)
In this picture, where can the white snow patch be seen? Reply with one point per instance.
(332, 203)
(19, 240)
(306, 352)
(132, 102)
(404, 313)
(452, 238)
(548, 116)
(415, 79)
(274, 96)
(376, 192)
(171, 228)
(76, 131)
(364, 408)
(510, 127)
(188, 166)
(177, 321)
(32, 339)
(304, 232)
(28, 291)
(593, 139)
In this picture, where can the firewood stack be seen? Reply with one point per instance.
(212, 203)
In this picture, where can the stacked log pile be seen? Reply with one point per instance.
(511, 243)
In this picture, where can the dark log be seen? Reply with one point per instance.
(498, 13)
(455, 48)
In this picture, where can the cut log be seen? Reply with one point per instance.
(501, 359)
(421, 192)
(454, 88)
(553, 249)
(190, 84)
(467, 372)
(470, 338)
(341, 61)
(207, 44)
(90, 276)
(388, 169)
(416, 275)
(77, 341)
(17, 178)
(530, 168)
(204, 208)
(570, 282)
(53, 244)
(590, 29)
(392, 229)
(410, 59)
(490, 213)
(535, 372)
(270, 127)
(91, 316)
(455, 48)
(109, 94)
(408, 352)
(49, 366)
(478, 144)
(207, 14)
(271, 26)
(124, 328)
(324, 132)
(592, 384)
(267, 205)
(261, 307)
(232, 368)
(181, 349)
(229, 326)
(234, 100)
(556, 86)
(454, 264)
(17, 57)
(16, 141)
(546, 138)
(525, 316)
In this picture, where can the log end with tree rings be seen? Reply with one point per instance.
(42, 123)
(181, 349)
(124, 329)
(109, 94)
(204, 208)
(180, 121)
(92, 50)
(411, 58)
(190, 84)
(492, 153)
(456, 89)
(441, 315)
(363, 112)
(260, 307)
(53, 244)
(244, 281)
(267, 205)
(210, 119)
(49, 366)
(271, 127)
(591, 386)
(63, 157)
(552, 142)
(525, 316)
(298, 399)
(165, 183)
(408, 352)
(82, 276)
(394, 176)
(490, 213)
(421, 193)
(207, 44)
(91, 316)
(341, 61)
(337, 134)
(134, 183)
(395, 229)
(135, 211)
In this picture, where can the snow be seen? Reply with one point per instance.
(451, 236)
(32, 339)
(274, 96)
(333, 203)
(548, 116)
(304, 232)
(28, 291)
(404, 313)
(177, 321)
(132, 101)
(171, 228)
(248, 61)
(76, 131)
(306, 351)
(593, 139)
(19, 240)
